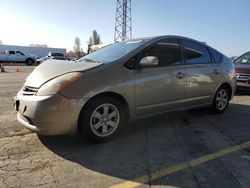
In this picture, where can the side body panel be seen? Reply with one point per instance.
(159, 89)
(202, 81)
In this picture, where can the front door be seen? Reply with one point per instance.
(19, 56)
(162, 87)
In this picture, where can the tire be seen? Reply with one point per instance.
(29, 61)
(221, 100)
(101, 119)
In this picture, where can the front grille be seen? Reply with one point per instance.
(243, 77)
(29, 90)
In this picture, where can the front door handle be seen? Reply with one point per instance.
(216, 71)
(180, 75)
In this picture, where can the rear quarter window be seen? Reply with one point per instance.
(196, 53)
(216, 56)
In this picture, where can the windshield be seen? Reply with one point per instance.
(112, 52)
(245, 59)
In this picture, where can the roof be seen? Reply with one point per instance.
(167, 36)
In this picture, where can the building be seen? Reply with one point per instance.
(37, 51)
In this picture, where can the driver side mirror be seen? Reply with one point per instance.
(149, 61)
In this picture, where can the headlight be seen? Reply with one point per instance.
(58, 84)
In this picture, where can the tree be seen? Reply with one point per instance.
(94, 39)
(72, 55)
(77, 48)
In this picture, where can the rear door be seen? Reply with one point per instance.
(203, 74)
(162, 87)
(12, 56)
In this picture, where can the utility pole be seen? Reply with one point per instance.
(123, 23)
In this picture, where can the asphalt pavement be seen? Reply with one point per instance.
(182, 149)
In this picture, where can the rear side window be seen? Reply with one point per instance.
(217, 56)
(196, 53)
(12, 52)
(57, 54)
(168, 52)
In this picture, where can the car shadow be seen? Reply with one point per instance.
(242, 91)
(126, 156)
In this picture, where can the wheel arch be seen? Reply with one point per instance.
(29, 58)
(117, 96)
(228, 86)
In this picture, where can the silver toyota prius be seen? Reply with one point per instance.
(98, 93)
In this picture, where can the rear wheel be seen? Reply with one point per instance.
(29, 61)
(221, 100)
(101, 118)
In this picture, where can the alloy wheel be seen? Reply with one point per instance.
(221, 99)
(104, 120)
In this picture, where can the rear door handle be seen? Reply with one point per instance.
(216, 71)
(180, 75)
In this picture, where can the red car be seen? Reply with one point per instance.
(242, 68)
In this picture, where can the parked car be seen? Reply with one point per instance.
(57, 55)
(17, 56)
(242, 67)
(122, 81)
(52, 55)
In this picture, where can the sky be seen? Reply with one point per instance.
(222, 24)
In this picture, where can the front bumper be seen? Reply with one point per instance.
(243, 84)
(243, 79)
(48, 115)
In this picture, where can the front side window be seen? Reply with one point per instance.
(196, 53)
(245, 59)
(167, 51)
(19, 53)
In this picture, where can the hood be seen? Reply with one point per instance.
(54, 68)
(43, 58)
(241, 68)
(31, 55)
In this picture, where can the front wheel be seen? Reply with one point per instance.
(101, 118)
(221, 100)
